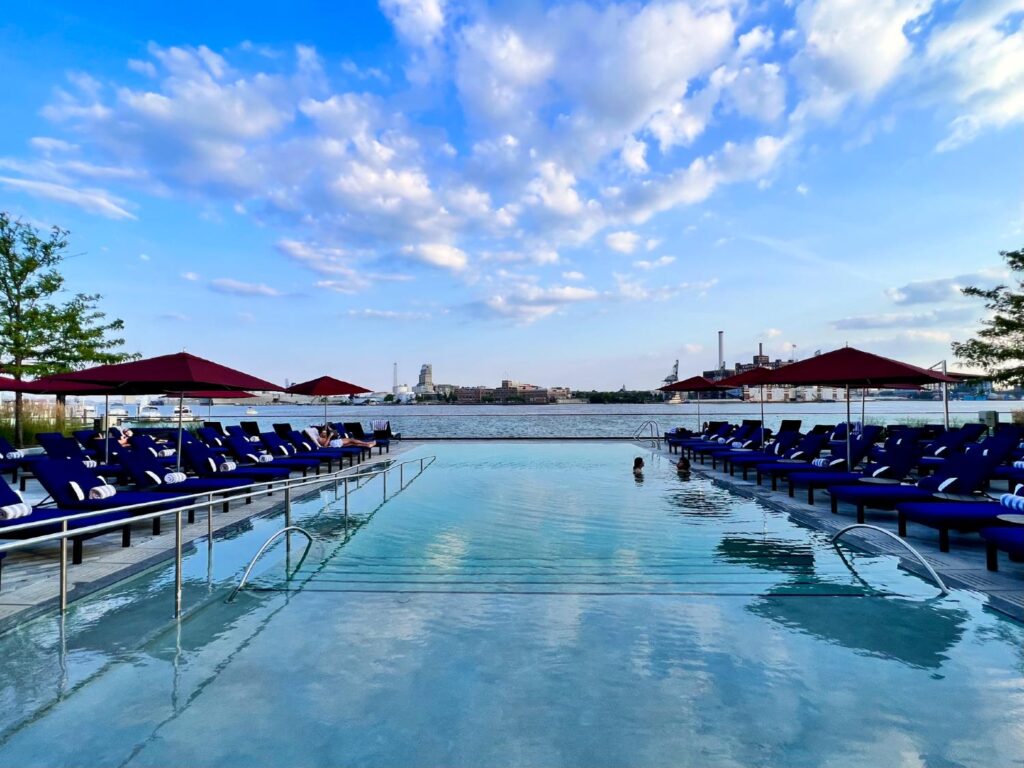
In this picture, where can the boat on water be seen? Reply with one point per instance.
(250, 411)
(117, 409)
(182, 413)
(149, 413)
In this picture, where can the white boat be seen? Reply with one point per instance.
(183, 412)
(250, 411)
(117, 409)
(149, 413)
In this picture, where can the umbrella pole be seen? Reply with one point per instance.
(698, 413)
(106, 429)
(762, 414)
(945, 399)
(181, 403)
(325, 411)
(848, 456)
(863, 418)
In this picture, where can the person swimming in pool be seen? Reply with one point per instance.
(683, 466)
(638, 467)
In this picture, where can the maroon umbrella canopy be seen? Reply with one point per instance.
(177, 373)
(50, 385)
(325, 386)
(693, 384)
(854, 368)
(8, 384)
(215, 394)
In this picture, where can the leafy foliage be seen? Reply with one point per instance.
(39, 333)
(999, 345)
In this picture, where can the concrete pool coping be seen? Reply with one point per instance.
(963, 567)
(31, 576)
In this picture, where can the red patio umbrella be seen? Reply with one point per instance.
(178, 373)
(326, 386)
(695, 384)
(848, 367)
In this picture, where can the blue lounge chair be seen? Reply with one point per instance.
(961, 478)
(800, 455)
(1009, 539)
(969, 516)
(715, 430)
(949, 444)
(204, 462)
(40, 514)
(306, 445)
(57, 446)
(744, 432)
(68, 482)
(248, 454)
(279, 448)
(753, 442)
(150, 475)
(776, 449)
(892, 468)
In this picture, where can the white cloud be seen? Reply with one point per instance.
(574, 276)
(190, 276)
(48, 144)
(388, 314)
(526, 302)
(90, 200)
(772, 333)
(663, 261)
(438, 255)
(175, 317)
(802, 189)
(623, 242)
(143, 257)
(553, 187)
(943, 289)
(241, 288)
(418, 22)
(633, 155)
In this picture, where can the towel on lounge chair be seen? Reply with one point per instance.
(227, 466)
(12, 511)
(1012, 502)
(175, 477)
(102, 491)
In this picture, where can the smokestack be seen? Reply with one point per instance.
(721, 350)
(760, 349)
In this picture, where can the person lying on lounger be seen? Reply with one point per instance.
(329, 438)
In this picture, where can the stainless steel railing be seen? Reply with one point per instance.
(342, 476)
(653, 432)
(920, 558)
(283, 532)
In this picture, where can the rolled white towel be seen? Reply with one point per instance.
(265, 458)
(254, 439)
(227, 466)
(175, 477)
(1016, 464)
(90, 463)
(820, 463)
(166, 452)
(13, 511)
(102, 491)
(1016, 503)
(14, 455)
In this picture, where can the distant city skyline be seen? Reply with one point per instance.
(575, 194)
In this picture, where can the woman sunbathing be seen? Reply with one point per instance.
(329, 438)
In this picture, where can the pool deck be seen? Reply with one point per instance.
(31, 583)
(963, 567)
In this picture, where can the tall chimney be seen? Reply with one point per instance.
(721, 350)
(760, 349)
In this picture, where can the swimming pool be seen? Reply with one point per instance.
(527, 604)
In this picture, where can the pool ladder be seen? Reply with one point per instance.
(283, 532)
(927, 566)
(652, 430)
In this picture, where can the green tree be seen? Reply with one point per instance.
(999, 345)
(39, 333)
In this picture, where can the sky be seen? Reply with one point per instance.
(568, 194)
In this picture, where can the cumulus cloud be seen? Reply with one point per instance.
(191, 277)
(662, 261)
(943, 289)
(438, 255)
(526, 302)
(623, 242)
(240, 288)
(905, 319)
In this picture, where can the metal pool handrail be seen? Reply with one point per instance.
(284, 531)
(931, 571)
(655, 431)
(62, 536)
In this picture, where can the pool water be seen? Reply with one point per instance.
(523, 604)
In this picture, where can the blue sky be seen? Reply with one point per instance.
(568, 194)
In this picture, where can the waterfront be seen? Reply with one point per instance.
(522, 421)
